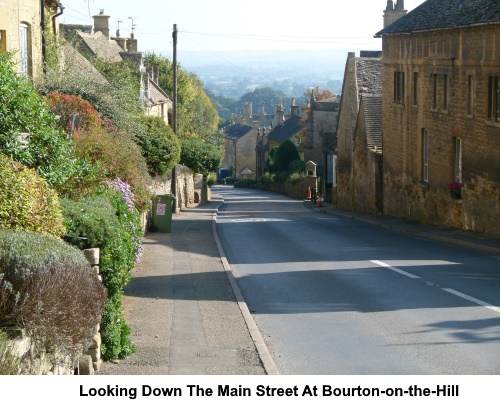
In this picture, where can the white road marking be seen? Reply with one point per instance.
(472, 299)
(388, 266)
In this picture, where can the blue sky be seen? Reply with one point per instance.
(228, 25)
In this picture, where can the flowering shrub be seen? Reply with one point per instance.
(65, 106)
(455, 189)
(48, 150)
(110, 221)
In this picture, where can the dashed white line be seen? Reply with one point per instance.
(388, 266)
(472, 299)
(450, 290)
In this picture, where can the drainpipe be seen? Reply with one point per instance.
(60, 6)
(44, 45)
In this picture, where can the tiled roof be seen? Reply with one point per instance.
(285, 131)
(101, 46)
(237, 131)
(77, 66)
(445, 14)
(371, 105)
(369, 76)
(157, 94)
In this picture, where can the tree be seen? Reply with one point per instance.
(199, 156)
(285, 154)
(197, 117)
(324, 95)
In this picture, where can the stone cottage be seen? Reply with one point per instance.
(239, 155)
(358, 158)
(441, 115)
(22, 24)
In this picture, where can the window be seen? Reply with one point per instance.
(399, 87)
(445, 91)
(440, 91)
(425, 156)
(298, 141)
(494, 99)
(434, 91)
(23, 49)
(3, 41)
(458, 160)
(470, 94)
(415, 88)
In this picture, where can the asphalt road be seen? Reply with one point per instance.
(335, 296)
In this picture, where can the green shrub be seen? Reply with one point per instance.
(119, 156)
(9, 361)
(245, 183)
(284, 155)
(211, 180)
(47, 150)
(26, 200)
(199, 156)
(160, 146)
(48, 288)
(110, 222)
(297, 166)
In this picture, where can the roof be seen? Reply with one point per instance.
(77, 66)
(369, 76)
(371, 108)
(285, 131)
(446, 14)
(156, 93)
(237, 131)
(101, 46)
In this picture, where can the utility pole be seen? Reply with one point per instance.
(174, 37)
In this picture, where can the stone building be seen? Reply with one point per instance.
(320, 144)
(441, 120)
(239, 155)
(358, 135)
(97, 41)
(22, 27)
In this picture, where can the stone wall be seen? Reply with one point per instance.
(37, 361)
(457, 58)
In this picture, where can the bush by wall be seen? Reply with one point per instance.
(48, 288)
(47, 150)
(26, 200)
(160, 146)
(110, 222)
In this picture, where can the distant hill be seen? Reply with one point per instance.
(233, 74)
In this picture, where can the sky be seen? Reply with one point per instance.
(230, 25)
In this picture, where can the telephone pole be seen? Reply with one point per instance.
(174, 37)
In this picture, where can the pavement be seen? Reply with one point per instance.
(186, 313)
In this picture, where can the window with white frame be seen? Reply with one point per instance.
(23, 49)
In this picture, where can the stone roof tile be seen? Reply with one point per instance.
(445, 14)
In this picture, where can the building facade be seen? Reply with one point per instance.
(441, 114)
(359, 135)
(22, 27)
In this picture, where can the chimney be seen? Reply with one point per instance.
(101, 23)
(280, 116)
(263, 109)
(255, 124)
(393, 13)
(295, 110)
(132, 43)
(122, 42)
